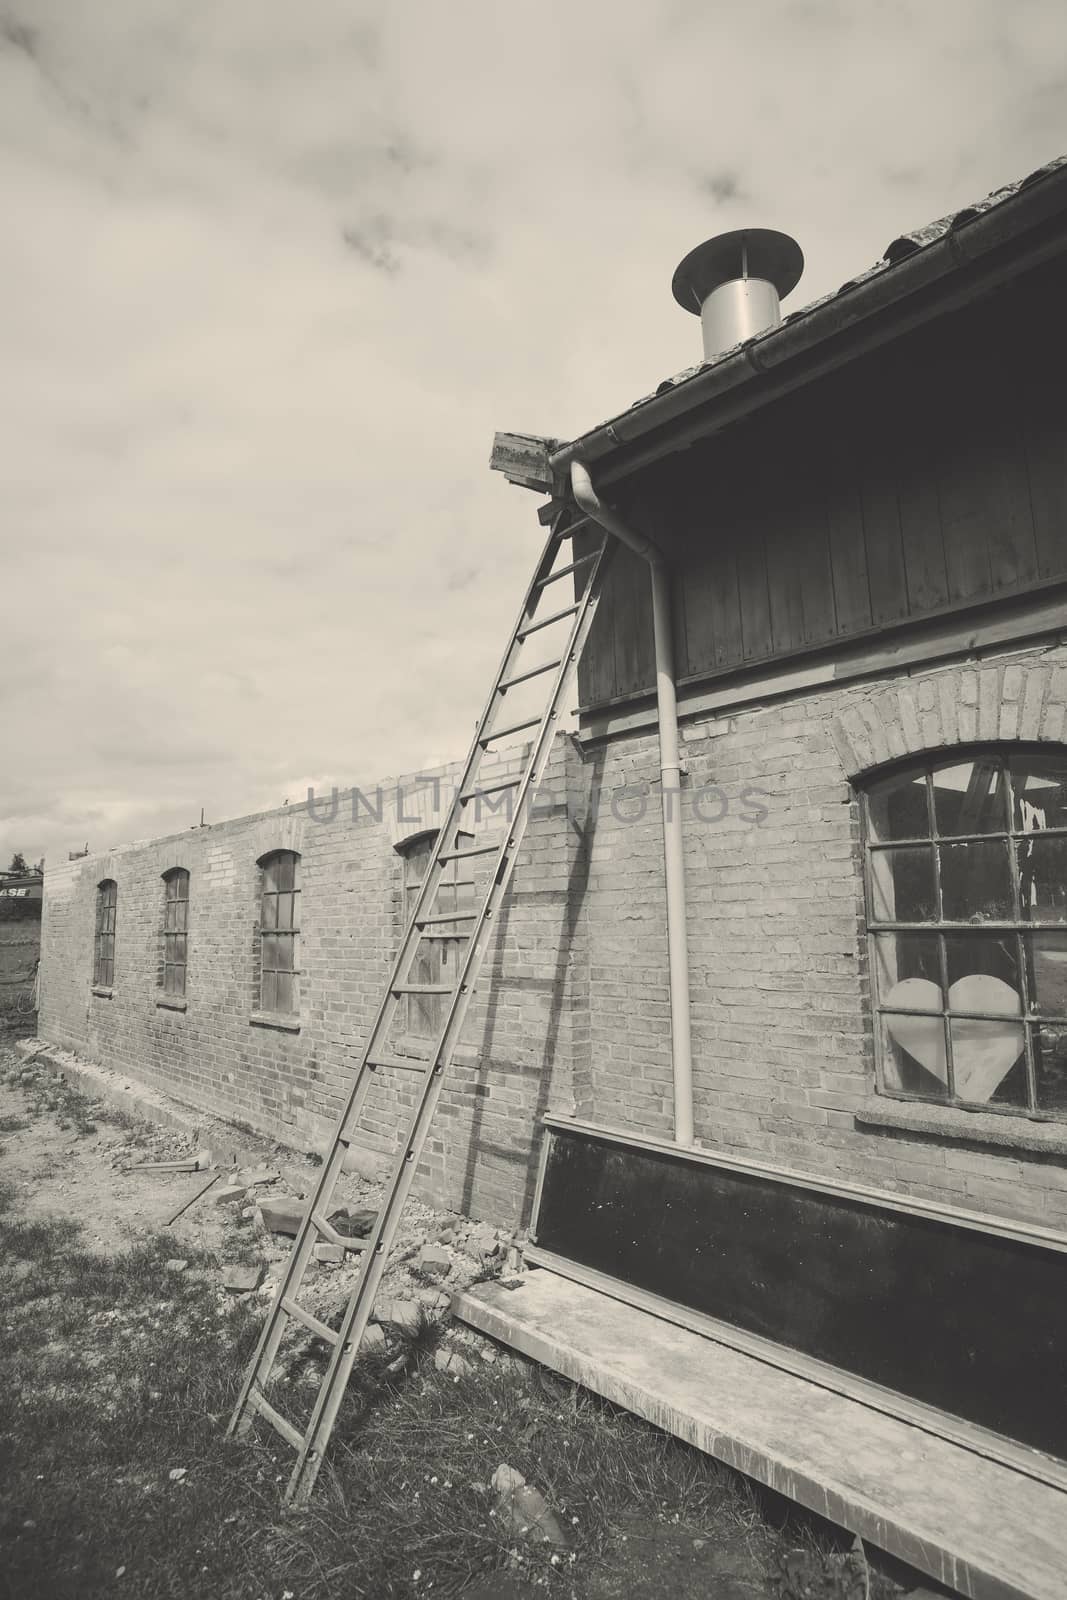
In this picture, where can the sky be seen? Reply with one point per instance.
(271, 277)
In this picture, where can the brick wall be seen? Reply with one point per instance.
(782, 1034)
(515, 1059)
(572, 1010)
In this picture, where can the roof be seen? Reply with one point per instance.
(920, 273)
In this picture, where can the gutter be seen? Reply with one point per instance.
(978, 251)
(670, 792)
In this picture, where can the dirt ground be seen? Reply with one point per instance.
(73, 1160)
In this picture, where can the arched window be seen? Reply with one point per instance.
(967, 921)
(439, 951)
(175, 930)
(279, 932)
(104, 942)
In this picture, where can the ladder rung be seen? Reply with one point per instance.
(401, 1063)
(311, 1322)
(534, 672)
(467, 855)
(330, 1233)
(490, 788)
(515, 727)
(553, 577)
(445, 916)
(546, 622)
(291, 1435)
(422, 988)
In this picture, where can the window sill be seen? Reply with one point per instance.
(169, 1002)
(266, 1019)
(1013, 1135)
(103, 991)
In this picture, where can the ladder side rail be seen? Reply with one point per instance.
(378, 1244)
(274, 1325)
(446, 836)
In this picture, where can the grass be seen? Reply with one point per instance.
(114, 1372)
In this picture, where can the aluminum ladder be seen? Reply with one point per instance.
(311, 1444)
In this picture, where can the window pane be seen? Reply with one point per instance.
(285, 911)
(284, 991)
(976, 882)
(268, 951)
(169, 985)
(267, 992)
(902, 883)
(178, 952)
(971, 797)
(1046, 960)
(283, 952)
(283, 870)
(899, 959)
(1050, 1069)
(913, 1055)
(897, 809)
(1043, 878)
(270, 911)
(983, 973)
(1040, 784)
(983, 1056)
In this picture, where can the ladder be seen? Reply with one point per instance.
(344, 1340)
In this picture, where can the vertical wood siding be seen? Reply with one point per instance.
(930, 478)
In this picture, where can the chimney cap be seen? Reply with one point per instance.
(745, 253)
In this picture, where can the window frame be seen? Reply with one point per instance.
(426, 1028)
(1005, 758)
(107, 896)
(274, 933)
(175, 911)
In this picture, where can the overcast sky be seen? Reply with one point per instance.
(272, 276)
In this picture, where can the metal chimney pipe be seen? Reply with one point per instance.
(735, 283)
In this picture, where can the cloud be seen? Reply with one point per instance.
(278, 274)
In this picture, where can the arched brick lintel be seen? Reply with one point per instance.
(1023, 701)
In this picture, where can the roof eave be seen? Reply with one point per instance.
(978, 252)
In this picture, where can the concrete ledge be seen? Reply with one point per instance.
(970, 1523)
(122, 1092)
(1011, 1134)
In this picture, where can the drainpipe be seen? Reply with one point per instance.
(670, 789)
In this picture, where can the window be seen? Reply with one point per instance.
(967, 919)
(279, 933)
(104, 943)
(175, 930)
(438, 952)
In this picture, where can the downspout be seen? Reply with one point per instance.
(670, 791)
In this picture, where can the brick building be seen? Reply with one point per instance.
(864, 512)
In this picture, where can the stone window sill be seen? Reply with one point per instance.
(103, 991)
(267, 1019)
(1013, 1135)
(171, 1002)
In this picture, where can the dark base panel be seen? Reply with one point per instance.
(969, 1322)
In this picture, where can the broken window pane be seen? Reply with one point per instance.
(1046, 960)
(1040, 785)
(1050, 1068)
(971, 797)
(976, 882)
(902, 883)
(897, 809)
(1043, 878)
